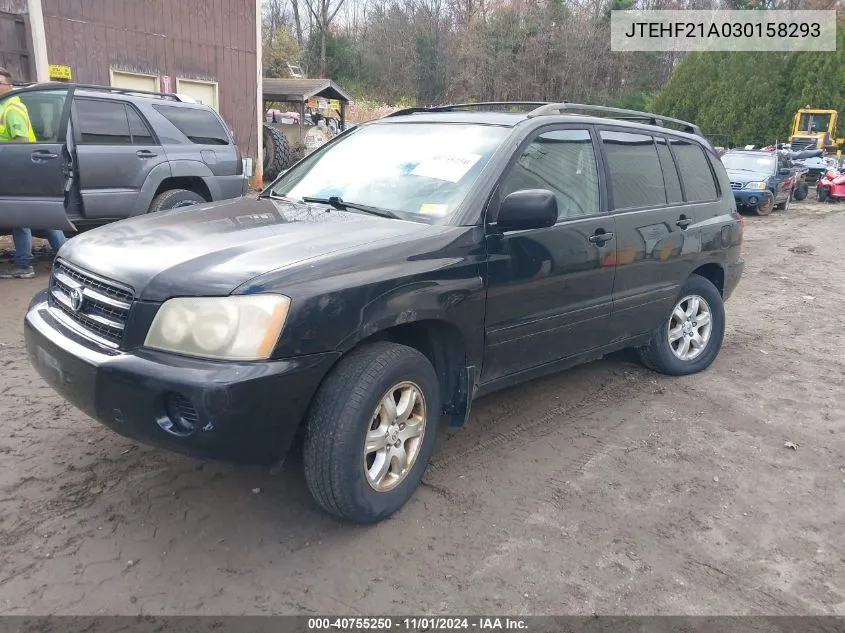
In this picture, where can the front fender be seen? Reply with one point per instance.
(457, 302)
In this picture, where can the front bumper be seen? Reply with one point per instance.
(752, 198)
(244, 412)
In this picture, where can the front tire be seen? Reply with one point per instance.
(766, 207)
(370, 432)
(784, 206)
(822, 193)
(801, 191)
(691, 337)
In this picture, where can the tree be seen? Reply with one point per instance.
(278, 50)
(323, 12)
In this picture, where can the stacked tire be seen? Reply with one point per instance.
(278, 154)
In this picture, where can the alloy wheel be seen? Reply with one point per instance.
(395, 436)
(690, 327)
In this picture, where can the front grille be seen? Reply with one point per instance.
(736, 185)
(96, 307)
(802, 144)
(188, 415)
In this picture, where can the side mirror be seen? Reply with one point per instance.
(527, 209)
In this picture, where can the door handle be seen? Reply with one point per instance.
(145, 153)
(600, 238)
(684, 222)
(41, 155)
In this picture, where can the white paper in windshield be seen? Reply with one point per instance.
(450, 168)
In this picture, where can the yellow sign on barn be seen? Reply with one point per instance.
(58, 71)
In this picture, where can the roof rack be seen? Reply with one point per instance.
(484, 105)
(115, 89)
(614, 113)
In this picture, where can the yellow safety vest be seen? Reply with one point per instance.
(16, 106)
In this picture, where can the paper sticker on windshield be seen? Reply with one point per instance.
(434, 209)
(764, 161)
(450, 168)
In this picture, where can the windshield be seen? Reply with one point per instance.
(419, 171)
(749, 162)
(814, 123)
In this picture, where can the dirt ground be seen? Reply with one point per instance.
(605, 489)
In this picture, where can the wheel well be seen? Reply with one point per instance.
(191, 183)
(713, 273)
(441, 342)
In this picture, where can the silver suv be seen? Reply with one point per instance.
(105, 154)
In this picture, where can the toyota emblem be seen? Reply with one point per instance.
(76, 299)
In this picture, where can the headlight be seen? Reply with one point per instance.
(756, 185)
(231, 328)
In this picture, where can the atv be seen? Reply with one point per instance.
(832, 185)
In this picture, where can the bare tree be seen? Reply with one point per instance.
(323, 12)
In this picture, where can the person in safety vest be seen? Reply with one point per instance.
(15, 127)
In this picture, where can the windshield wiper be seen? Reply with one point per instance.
(277, 196)
(338, 203)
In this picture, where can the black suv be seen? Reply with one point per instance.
(401, 270)
(104, 153)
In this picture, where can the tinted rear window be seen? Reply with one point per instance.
(635, 174)
(200, 126)
(141, 134)
(699, 185)
(102, 123)
(670, 172)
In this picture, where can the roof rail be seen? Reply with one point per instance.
(488, 105)
(115, 89)
(615, 113)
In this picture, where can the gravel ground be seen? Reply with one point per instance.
(605, 489)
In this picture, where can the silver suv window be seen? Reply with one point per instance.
(200, 126)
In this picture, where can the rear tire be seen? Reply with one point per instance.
(350, 422)
(801, 191)
(665, 355)
(278, 154)
(174, 199)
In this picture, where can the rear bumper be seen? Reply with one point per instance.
(244, 412)
(231, 186)
(733, 273)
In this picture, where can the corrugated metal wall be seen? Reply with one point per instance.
(190, 39)
(13, 6)
(15, 53)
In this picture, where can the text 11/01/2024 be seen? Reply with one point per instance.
(417, 623)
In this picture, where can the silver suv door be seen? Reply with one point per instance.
(34, 177)
(115, 152)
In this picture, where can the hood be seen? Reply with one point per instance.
(748, 176)
(212, 249)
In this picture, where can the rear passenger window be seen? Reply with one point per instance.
(635, 174)
(200, 126)
(101, 122)
(141, 134)
(699, 185)
(563, 162)
(670, 172)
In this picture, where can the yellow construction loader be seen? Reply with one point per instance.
(814, 128)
